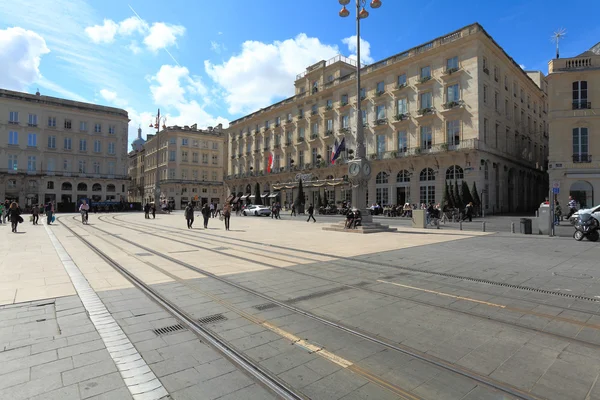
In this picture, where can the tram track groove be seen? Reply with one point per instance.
(336, 260)
(512, 324)
(487, 381)
(301, 343)
(448, 275)
(274, 384)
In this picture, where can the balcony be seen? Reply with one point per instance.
(266, 148)
(300, 140)
(277, 146)
(328, 133)
(582, 105)
(313, 137)
(314, 113)
(344, 130)
(402, 117)
(450, 71)
(570, 64)
(248, 153)
(328, 108)
(424, 79)
(380, 123)
(256, 131)
(233, 156)
(288, 144)
(256, 151)
(425, 111)
(452, 105)
(582, 158)
(400, 86)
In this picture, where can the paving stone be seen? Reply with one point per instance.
(100, 385)
(117, 394)
(14, 378)
(371, 391)
(48, 345)
(334, 386)
(172, 365)
(64, 393)
(254, 392)
(89, 371)
(214, 368)
(92, 357)
(15, 353)
(288, 360)
(53, 367)
(300, 376)
(83, 338)
(32, 388)
(80, 348)
(151, 344)
(28, 361)
(181, 380)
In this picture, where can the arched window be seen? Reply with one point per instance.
(382, 177)
(96, 187)
(81, 187)
(427, 175)
(455, 172)
(110, 188)
(403, 176)
(329, 177)
(66, 186)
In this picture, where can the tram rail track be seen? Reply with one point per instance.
(409, 269)
(429, 359)
(410, 299)
(262, 376)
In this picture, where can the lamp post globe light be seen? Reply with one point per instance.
(359, 169)
(157, 125)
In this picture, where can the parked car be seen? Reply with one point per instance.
(595, 211)
(257, 210)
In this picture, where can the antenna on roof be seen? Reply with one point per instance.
(557, 36)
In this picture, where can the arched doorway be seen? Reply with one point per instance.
(381, 188)
(583, 193)
(427, 186)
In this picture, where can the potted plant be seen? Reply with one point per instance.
(444, 146)
(424, 79)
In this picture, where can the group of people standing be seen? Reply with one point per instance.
(207, 212)
(149, 208)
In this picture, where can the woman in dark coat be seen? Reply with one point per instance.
(206, 214)
(189, 215)
(15, 214)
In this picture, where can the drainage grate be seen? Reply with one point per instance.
(143, 254)
(211, 319)
(319, 294)
(266, 306)
(168, 329)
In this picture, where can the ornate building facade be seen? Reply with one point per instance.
(574, 120)
(61, 150)
(455, 108)
(190, 165)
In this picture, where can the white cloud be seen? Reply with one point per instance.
(113, 98)
(163, 35)
(134, 47)
(263, 72)
(522, 66)
(67, 94)
(365, 49)
(217, 47)
(131, 25)
(104, 33)
(20, 55)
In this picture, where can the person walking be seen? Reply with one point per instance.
(557, 213)
(227, 214)
(311, 212)
(147, 211)
(277, 210)
(212, 210)
(49, 211)
(153, 209)
(572, 207)
(6, 207)
(206, 214)
(35, 211)
(469, 212)
(293, 213)
(15, 216)
(189, 215)
(1, 213)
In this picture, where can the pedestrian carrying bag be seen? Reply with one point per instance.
(221, 218)
(20, 219)
(53, 218)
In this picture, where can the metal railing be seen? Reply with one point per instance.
(582, 158)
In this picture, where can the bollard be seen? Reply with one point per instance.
(512, 227)
(460, 225)
(483, 226)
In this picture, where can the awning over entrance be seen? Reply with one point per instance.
(275, 194)
(235, 199)
(264, 195)
(244, 197)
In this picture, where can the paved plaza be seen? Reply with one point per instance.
(416, 314)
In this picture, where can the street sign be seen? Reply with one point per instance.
(556, 185)
(555, 190)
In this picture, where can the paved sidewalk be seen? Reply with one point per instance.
(30, 268)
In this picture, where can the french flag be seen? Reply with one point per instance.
(337, 149)
(270, 164)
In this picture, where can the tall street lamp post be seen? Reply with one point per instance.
(359, 169)
(156, 125)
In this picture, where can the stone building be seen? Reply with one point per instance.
(455, 108)
(574, 119)
(61, 150)
(190, 162)
(136, 188)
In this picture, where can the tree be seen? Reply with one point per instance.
(257, 198)
(465, 194)
(475, 195)
(446, 198)
(458, 201)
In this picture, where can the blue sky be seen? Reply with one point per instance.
(209, 62)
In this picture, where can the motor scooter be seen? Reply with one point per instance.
(586, 226)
